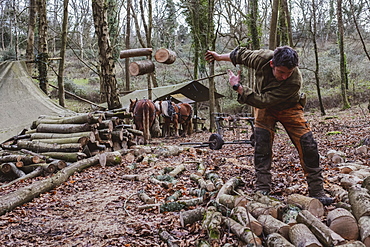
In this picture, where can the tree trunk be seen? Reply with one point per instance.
(273, 24)
(107, 64)
(343, 61)
(31, 34)
(317, 64)
(127, 43)
(62, 54)
(43, 56)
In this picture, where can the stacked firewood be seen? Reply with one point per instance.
(53, 139)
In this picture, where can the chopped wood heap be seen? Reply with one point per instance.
(68, 144)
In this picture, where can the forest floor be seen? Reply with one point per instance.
(97, 207)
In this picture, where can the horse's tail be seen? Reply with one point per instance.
(146, 122)
(190, 118)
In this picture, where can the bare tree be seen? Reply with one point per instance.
(107, 64)
(63, 54)
(343, 62)
(43, 56)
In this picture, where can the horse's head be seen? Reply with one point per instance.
(132, 105)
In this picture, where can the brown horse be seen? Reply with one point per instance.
(144, 116)
(176, 114)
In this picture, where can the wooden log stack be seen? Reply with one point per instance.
(52, 142)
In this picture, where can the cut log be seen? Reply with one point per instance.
(199, 180)
(241, 215)
(64, 128)
(165, 56)
(232, 201)
(339, 193)
(38, 171)
(169, 239)
(110, 158)
(58, 135)
(273, 225)
(19, 173)
(353, 244)
(66, 156)
(257, 209)
(26, 159)
(178, 169)
(62, 140)
(135, 52)
(26, 194)
(141, 67)
(289, 214)
(191, 216)
(276, 240)
(229, 187)
(212, 222)
(347, 181)
(325, 235)
(344, 223)
(364, 226)
(132, 177)
(174, 197)
(308, 203)
(78, 119)
(366, 183)
(59, 164)
(145, 198)
(5, 168)
(300, 235)
(359, 198)
(41, 147)
(48, 168)
(242, 232)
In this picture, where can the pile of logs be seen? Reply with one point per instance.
(260, 220)
(52, 142)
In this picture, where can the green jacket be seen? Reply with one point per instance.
(267, 92)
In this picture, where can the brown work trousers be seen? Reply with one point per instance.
(300, 134)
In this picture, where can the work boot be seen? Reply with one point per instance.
(323, 198)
